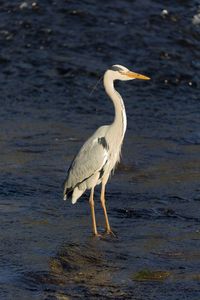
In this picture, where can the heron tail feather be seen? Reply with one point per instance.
(76, 194)
(73, 194)
(67, 193)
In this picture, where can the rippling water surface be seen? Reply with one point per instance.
(52, 54)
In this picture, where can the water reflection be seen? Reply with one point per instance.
(80, 270)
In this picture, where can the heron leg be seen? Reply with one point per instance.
(108, 229)
(91, 201)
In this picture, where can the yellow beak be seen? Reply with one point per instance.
(136, 75)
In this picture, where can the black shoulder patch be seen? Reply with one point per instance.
(102, 141)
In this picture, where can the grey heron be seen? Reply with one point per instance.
(101, 152)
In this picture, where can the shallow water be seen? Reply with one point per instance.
(52, 54)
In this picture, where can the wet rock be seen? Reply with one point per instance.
(147, 275)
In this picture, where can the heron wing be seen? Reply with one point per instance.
(90, 159)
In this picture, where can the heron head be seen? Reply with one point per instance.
(121, 73)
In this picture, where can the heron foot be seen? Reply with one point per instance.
(110, 232)
(97, 235)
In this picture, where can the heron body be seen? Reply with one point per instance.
(101, 152)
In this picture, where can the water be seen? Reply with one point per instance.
(52, 54)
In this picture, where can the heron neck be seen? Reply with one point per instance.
(120, 120)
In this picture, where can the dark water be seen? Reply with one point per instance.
(52, 54)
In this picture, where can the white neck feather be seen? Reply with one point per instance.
(120, 120)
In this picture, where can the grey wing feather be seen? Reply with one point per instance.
(90, 159)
